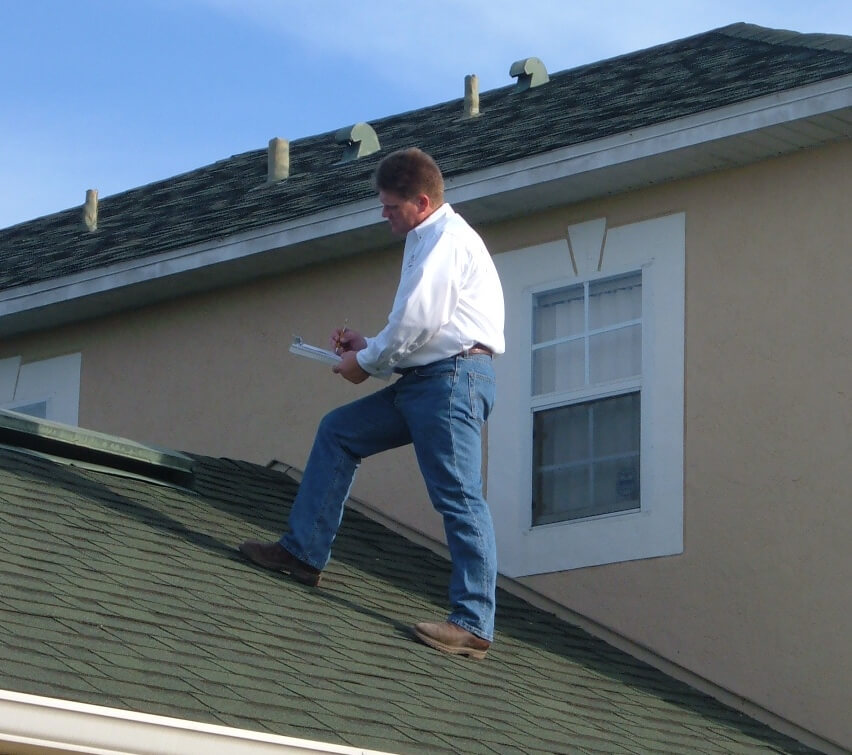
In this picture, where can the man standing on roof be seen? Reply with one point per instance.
(444, 327)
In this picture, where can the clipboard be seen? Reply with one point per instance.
(302, 349)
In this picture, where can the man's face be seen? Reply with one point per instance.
(403, 214)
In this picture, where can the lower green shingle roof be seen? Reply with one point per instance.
(121, 592)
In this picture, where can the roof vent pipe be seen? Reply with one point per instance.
(90, 210)
(530, 72)
(277, 160)
(360, 140)
(471, 96)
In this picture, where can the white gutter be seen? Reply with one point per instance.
(652, 141)
(31, 725)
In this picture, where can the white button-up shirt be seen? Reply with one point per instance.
(449, 298)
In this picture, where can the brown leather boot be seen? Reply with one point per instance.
(451, 638)
(276, 557)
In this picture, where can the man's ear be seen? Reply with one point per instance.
(424, 204)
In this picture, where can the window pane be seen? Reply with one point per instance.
(559, 368)
(562, 435)
(616, 423)
(615, 354)
(558, 314)
(615, 300)
(616, 485)
(577, 355)
(586, 459)
(558, 490)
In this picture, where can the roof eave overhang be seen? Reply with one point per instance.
(713, 140)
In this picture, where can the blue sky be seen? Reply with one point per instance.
(112, 94)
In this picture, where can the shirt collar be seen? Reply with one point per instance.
(443, 211)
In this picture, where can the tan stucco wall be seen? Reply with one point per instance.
(760, 602)
(761, 599)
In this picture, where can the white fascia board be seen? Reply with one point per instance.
(33, 724)
(646, 143)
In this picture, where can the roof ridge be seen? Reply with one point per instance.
(815, 41)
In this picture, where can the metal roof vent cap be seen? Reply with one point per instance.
(360, 140)
(471, 96)
(530, 72)
(90, 210)
(277, 160)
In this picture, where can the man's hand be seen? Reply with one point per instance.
(345, 339)
(349, 368)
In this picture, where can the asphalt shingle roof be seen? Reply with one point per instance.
(680, 78)
(121, 592)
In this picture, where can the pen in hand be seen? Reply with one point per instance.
(340, 336)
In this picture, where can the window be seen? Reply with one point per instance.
(585, 446)
(33, 409)
(47, 389)
(586, 459)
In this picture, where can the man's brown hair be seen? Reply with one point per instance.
(409, 173)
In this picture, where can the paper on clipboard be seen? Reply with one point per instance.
(302, 349)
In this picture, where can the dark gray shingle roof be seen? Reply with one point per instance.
(128, 594)
(680, 78)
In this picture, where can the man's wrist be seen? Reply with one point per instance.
(360, 361)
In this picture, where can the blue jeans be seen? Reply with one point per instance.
(440, 408)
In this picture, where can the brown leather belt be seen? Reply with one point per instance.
(477, 348)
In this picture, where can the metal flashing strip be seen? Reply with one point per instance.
(98, 467)
(88, 447)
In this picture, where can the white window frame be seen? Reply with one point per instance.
(20, 406)
(592, 251)
(55, 381)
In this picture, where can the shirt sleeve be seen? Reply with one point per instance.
(425, 300)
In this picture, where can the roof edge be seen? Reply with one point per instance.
(32, 723)
(755, 33)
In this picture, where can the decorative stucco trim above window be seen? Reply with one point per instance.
(592, 251)
(48, 388)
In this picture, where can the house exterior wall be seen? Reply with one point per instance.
(761, 598)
